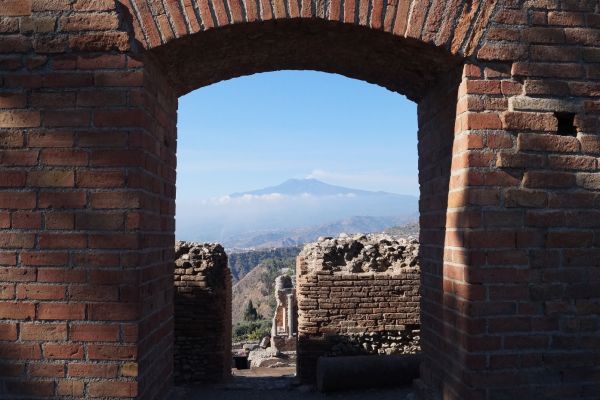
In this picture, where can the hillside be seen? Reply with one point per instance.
(258, 285)
(242, 262)
(250, 287)
(299, 236)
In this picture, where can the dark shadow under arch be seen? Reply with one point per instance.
(406, 66)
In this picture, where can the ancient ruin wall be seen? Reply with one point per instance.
(202, 313)
(356, 295)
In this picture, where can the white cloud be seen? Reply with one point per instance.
(370, 180)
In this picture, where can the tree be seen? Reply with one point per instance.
(250, 313)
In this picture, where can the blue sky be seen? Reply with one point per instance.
(260, 130)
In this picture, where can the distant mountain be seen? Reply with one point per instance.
(309, 186)
(299, 236)
(290, 213)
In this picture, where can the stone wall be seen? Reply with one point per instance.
(356, 295)
(202, 313)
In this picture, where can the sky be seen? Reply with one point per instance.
(260, 130)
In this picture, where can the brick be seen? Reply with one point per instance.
(529, 121)
(52, 311)
(552, 180)
(7, 291)
(567, 162)
(71, 118)
(89, 370)
(17, 200)
(58, 200)
(10, 179)
(547, 70)
(482, 121)
(40, 292)
(549, 143)
(65, 158)
(63, 351)
(111, 352)
(94, 332)
(70, 388)
(89, 22)
(525, 198)
(19, 119)
(45, 332)
(53, 178)
(93, 5)
(60, 220)
(113, 389)
(17, 240)
(62, 241)
(20, 310)
(26, 220)
(568, 239)
(16, 351)
(14, 8)
(115, 200)
(99, 41)
(61, 275)
(100, 179)
(502, 52)
(126, 79)
(543, 35)
(8, 331)
(114, 241)
(93, 293)
(47, 370)
(114, 312)
(118, 118)
(589, 180)
(51, 139)
(101, 98)
(13, 100)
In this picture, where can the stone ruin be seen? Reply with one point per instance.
(283, 331)
(357, 295)
(202, 313)
(279, 350)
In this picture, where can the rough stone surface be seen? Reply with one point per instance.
(357, 295)
(202, 313)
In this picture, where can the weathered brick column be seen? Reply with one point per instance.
(202, 313)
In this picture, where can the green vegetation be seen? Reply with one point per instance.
(251, 330)
(256, 326)
(242, 263)
(250, 313)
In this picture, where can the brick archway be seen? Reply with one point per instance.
(508, 139)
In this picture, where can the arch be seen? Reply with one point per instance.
(426, 73)
(403, 65)
(455, 24)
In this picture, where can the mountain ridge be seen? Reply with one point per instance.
(311, 186)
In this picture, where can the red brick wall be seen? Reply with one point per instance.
(202, 326)
(334, 308)
(88, 93)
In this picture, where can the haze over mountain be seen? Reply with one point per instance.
(291, 213)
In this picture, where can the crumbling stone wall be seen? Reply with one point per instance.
(202, 313)
(357, 295)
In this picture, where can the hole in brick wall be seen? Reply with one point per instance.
(566, 124)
